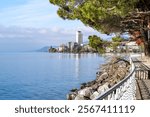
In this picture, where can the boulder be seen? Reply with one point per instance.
(90, 83)
(106, 85)
(103, 88)
(98, 74)
(102, 77)
(86, 92)
(74, 90)
(71, 96)
(83, 85)
(79, 97)
(100, 89)
(94, 95)
(94, 87)
(111, 84)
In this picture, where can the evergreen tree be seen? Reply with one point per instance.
(97, 43)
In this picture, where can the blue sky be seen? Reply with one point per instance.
(31, 24)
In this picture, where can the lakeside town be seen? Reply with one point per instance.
(111, 46)
(77, 46)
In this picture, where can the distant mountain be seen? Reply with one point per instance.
(44, 49)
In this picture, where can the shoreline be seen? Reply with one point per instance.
(110, 74)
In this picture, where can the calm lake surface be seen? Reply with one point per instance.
(44, 76)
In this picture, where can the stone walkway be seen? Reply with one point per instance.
(142, 84)
(143, 90)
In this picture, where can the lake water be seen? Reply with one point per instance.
(44, 76)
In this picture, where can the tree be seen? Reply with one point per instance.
(109, 16)
(97, 43)
(117, 39)
(102, 15)
(116, 42)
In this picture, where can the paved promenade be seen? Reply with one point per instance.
(142, 65)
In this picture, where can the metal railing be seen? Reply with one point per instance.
(124, 90)
(142, 71)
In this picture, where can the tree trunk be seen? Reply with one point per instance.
(146, 42)
(147, 48)
(147, 37)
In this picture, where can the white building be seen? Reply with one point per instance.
(62, 48)
(72, 45)
(132, 46)
(79, 37)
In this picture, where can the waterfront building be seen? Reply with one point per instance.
(132, 46)
(72, 46)
(79, 38)
(62, 48)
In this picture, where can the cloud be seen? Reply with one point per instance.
(33, 13)
(43, 31)
(21, 39)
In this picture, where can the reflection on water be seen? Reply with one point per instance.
(71, 55)
(77, 65)
(78, 58)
